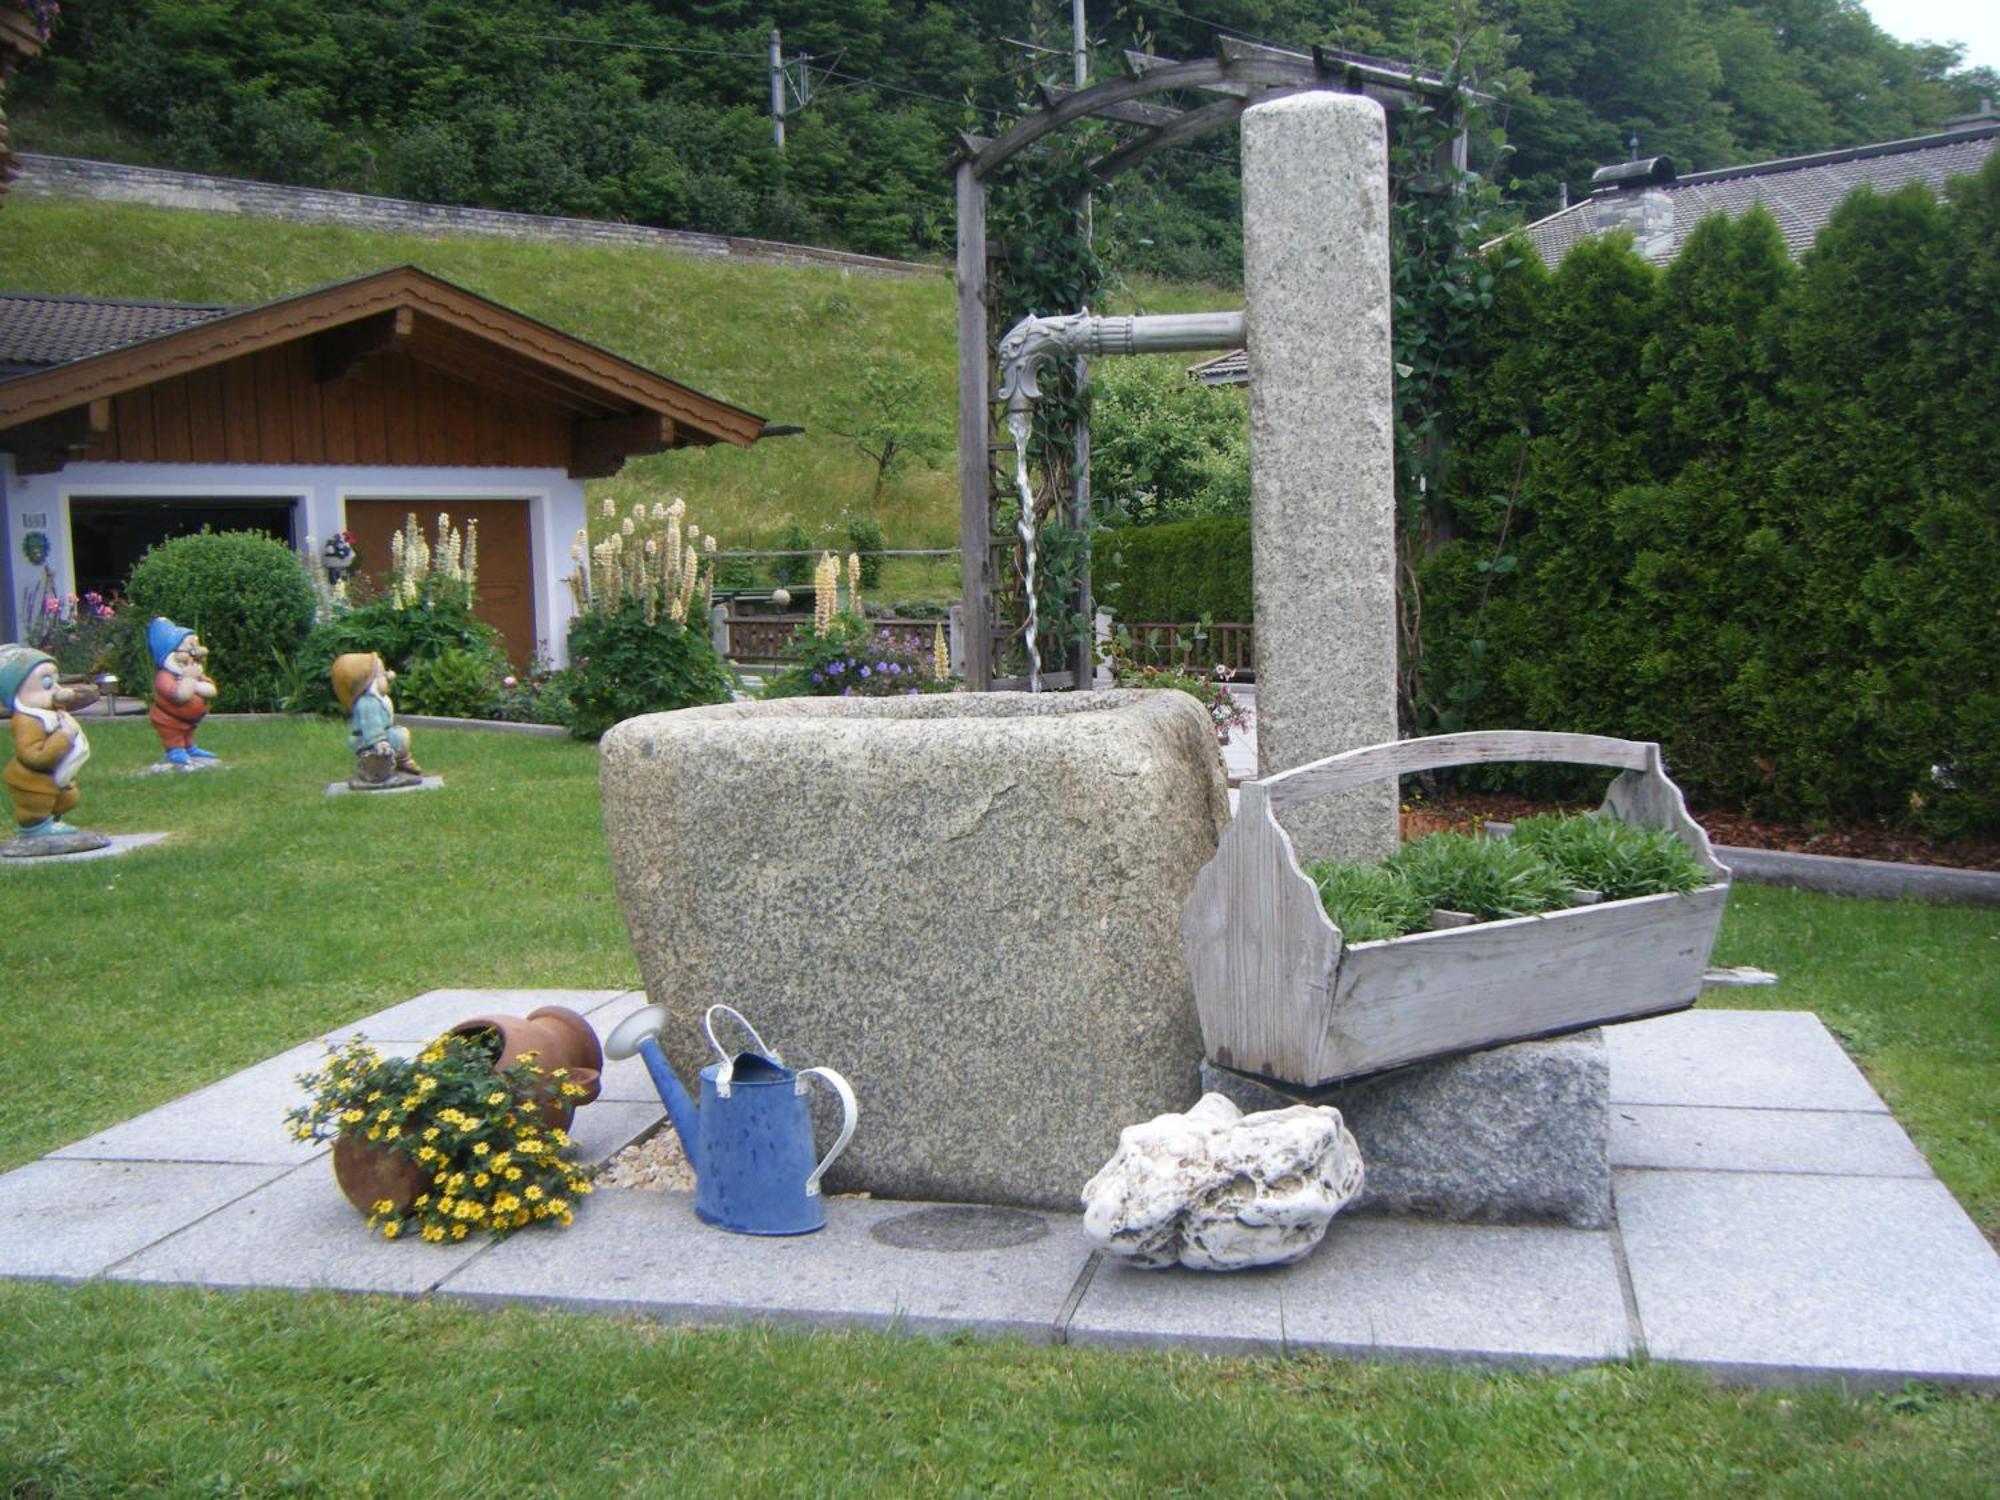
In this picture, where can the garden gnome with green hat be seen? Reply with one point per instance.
(181, 691)
(49, 749)
(381, 746)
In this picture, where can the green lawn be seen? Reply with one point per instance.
(276, 912)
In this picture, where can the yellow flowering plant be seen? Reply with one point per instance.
(486, 1137)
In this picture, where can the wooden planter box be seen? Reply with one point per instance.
(1281, 995)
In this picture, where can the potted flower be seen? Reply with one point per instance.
(446, 1142)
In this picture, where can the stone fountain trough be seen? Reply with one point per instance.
(968, 904)
(1284, 997)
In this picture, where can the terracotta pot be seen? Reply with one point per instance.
(368, 1173)
(559, 1038)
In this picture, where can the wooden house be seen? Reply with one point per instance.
(340, 409)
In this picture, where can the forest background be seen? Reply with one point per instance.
(661, 114)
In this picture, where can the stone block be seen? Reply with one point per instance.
(1515, 1135)
(875, 1264)
(968, 905)
(1766, 1277)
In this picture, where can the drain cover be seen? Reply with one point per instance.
(969, 1228)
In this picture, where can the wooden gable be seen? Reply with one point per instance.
(395, 368)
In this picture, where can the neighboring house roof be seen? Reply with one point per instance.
(1800, 192)
(625, 408)
(38, 331)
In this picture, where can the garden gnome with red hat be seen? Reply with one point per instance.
(181, 691)
(381, 746)
(49, 749)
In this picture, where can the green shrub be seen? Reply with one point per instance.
(1188, 570)
(406, 639)
(864, 538)
(241, 592)
(793, 571)
(849, 660)
(1489, 878)
(458, 684)
(1166, 448)
(621, 666)
(1367, 902)
(1596, 852)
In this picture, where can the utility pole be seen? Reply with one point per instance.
(777, 90)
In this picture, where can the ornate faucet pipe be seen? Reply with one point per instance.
(1033, 340)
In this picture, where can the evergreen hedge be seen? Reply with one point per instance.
(1746, 508)
(1175, 573)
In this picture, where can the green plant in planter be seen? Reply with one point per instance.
(1367, 902)
(1595, 852)
(494, 1162)
(1488, 878)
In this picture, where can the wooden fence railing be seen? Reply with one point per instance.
(1162, 644)
(762, 639)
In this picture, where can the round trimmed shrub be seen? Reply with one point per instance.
(242, 593)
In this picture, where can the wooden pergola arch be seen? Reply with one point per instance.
(1239, 75)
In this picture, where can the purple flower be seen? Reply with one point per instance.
(866, 673)
(836, 668)
(817, 678)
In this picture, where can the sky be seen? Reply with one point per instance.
(1973, 22)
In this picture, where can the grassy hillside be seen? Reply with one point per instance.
(770, 338)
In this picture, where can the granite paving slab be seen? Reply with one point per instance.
(605, 1127)
(68, 1220)
(1852, 1143)
(422, 1018)
(1773, 1277)
(1745, 1059)
(1478, 1294)
(298, 1231)
(236, 1119)
(649, 1255)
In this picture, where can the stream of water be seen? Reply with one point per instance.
(1020, 423)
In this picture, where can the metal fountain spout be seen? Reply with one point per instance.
(1033, 340)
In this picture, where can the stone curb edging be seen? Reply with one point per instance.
(1876, 879)
(160, 187)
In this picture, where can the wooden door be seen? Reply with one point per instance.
(504, 594)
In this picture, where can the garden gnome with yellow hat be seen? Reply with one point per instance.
(381, 746)
(49, 749)
(181, 690)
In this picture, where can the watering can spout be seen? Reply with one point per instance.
(640, 1033)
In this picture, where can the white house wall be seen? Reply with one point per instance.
(555, 513)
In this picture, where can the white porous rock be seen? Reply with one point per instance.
(1218, 1190)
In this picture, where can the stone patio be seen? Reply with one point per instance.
(1773, 1224)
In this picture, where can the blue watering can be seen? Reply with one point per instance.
(751, 1141)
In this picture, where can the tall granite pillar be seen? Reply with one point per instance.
(1322, 459)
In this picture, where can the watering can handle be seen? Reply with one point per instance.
(848, 1111)
(724, 1078)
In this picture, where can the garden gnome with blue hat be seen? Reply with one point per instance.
(181, 691)
(381, 746)
(49, 749)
